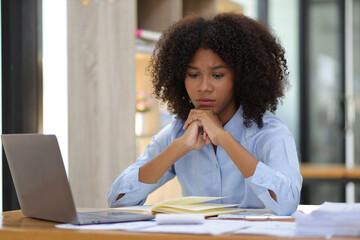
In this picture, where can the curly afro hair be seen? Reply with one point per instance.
(246, 46)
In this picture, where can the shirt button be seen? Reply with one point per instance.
(260, 181)
(131, 187)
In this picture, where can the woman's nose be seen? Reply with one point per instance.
(205, 84)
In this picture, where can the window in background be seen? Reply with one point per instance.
(326, 112)
(325, 105)
(284, 22)
(55, 113)
(356, 88)
(1, 164)
(356, 42)
(250, 8)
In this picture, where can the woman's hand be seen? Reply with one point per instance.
(193, 136)
(208, 121)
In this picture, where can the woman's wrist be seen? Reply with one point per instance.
(222, 137)
(182, 145)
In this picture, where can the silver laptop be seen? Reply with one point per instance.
(42, 186)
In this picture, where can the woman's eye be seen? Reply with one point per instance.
(193, 75)
(218, 75)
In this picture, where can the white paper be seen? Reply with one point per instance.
(109, 226)
(307, 208)
(179, 219)
(254, 214)
(213, 227)
(344, 209)
(330, 219)
(273, 228)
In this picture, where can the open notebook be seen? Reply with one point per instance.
(190, 204)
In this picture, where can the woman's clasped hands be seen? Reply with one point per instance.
(202, 127)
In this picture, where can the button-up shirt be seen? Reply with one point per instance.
(205, 172)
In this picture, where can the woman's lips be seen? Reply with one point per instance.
(205, 102)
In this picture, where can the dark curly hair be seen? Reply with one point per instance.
(246, 46)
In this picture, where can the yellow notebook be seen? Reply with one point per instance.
(194, 204)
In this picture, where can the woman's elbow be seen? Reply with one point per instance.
(285, 209)
(289, 205)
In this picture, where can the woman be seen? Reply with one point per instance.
(223, 79)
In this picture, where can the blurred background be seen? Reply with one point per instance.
(76, 68)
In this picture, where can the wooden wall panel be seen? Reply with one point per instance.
(101, 95)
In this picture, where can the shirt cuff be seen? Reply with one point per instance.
(135, 191)
(263, 179)
(266, 178)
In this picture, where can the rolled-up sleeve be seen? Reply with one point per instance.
(128, 183)
(278, 171)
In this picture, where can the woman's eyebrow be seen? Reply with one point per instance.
(219, 66)
(212, 68)
(192, 67)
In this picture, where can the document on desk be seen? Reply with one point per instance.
(128, 226)
(254, 214)
(271, 228)
(209, 227)
(331, 219)
(212, 227)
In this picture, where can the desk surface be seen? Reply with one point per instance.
(15, 226)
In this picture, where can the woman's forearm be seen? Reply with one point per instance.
(153, 170)
(244, 160)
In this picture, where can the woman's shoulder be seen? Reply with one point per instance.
(272, 121)
(272, 126)
(273, 130)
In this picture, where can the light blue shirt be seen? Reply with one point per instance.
(206, 173)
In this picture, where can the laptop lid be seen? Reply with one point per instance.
(42, 186)
(39, 176)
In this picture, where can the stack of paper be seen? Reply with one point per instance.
(331, 219)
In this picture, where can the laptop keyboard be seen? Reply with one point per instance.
(106, 217)
(96, 217)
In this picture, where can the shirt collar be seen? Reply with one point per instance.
(235, 125)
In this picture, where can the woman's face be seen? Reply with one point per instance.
(210, 84)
